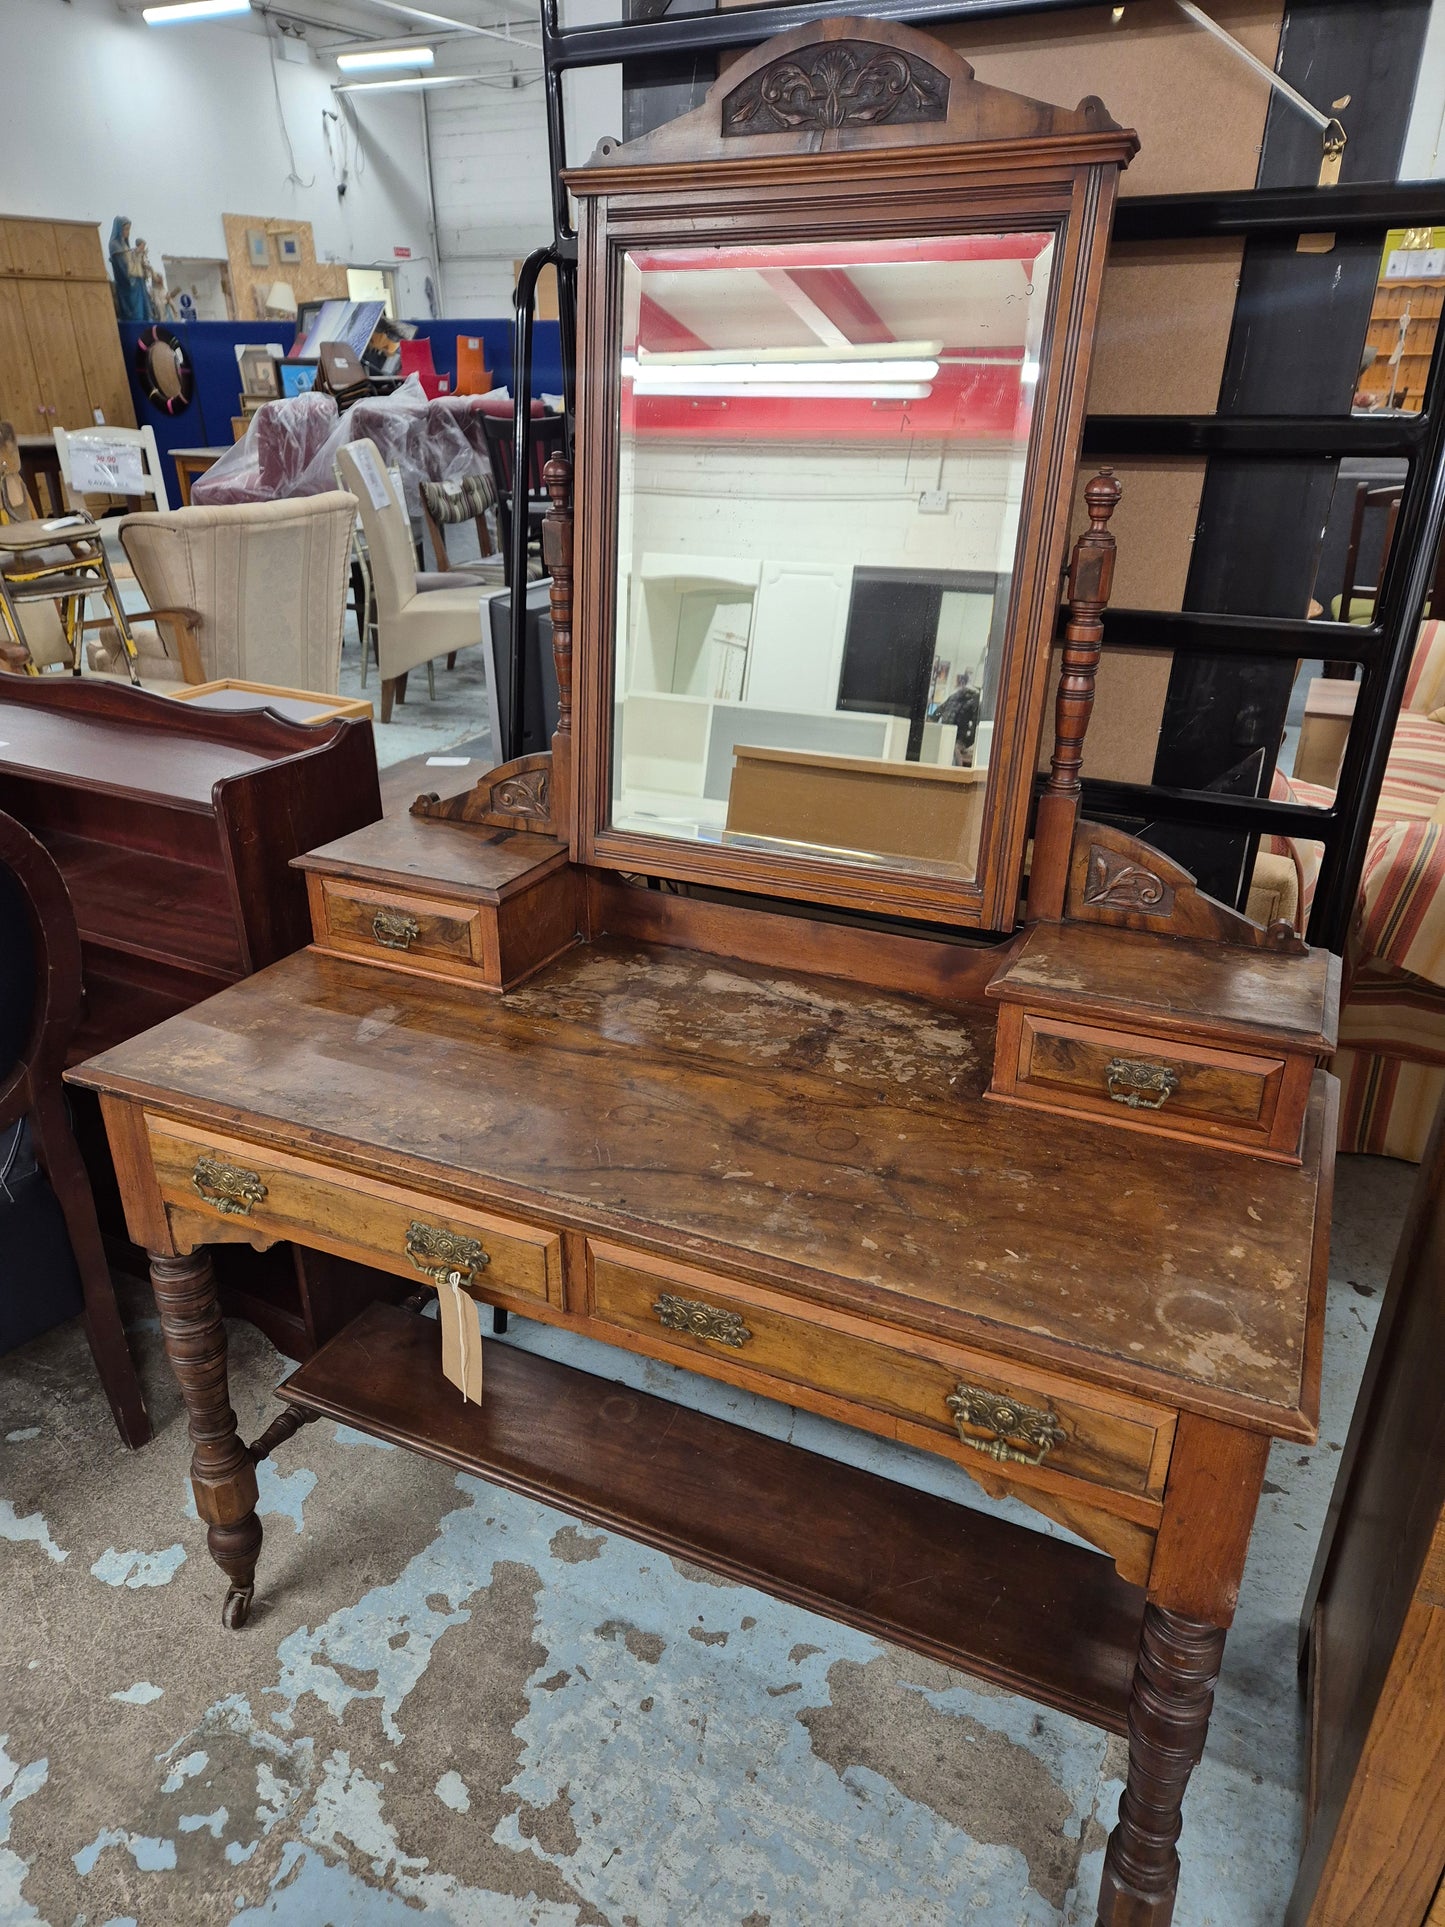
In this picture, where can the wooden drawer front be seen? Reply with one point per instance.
(240, 1190)
(1121, 1444)
(426, 933)
(1145, 1082)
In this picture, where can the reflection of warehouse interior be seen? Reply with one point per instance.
(820, 513)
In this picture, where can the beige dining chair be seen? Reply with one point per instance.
(250, 591)
(414, 622)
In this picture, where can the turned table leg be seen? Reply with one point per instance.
(1169, 1707)
(223, 1476)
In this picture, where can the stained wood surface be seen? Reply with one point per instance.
(787, 1129)
(964, 1588)
(410, 851)
(1375, 1612)
(111, 756)
(1176, 987)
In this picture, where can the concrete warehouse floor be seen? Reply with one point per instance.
(458, 1706)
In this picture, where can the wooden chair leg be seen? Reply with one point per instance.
(59, 1157)
(388, 696)
(451, 659)
(401, 685)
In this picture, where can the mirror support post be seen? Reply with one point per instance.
(557, 557)
(1091, 577)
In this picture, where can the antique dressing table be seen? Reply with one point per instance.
(713, 1035)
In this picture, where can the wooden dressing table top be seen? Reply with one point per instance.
(795, 1130)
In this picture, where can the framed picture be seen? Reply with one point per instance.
(260, 373)
(288, 249)
(297, 377)
(258, 247)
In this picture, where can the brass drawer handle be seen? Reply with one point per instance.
(1142, 1086)
(702, 1321)
(395, 929)
(446, 1257)
(227, 1186)
(1022, 1434)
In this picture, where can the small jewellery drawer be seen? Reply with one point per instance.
(979, 1410)
(1152, 1083)
(437, 935)
(238, 1190)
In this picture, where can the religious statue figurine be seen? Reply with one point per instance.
(132, 297)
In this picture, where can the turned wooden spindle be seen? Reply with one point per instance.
(1169, 1707)
(1091, 577)
(223, 1474)
(557, 558)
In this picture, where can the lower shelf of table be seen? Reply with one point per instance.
(994, 1599)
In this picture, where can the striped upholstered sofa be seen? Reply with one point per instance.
(1391, 1060)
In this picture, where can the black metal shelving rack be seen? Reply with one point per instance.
(1382, 648)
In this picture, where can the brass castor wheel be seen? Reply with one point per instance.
(237, 1609)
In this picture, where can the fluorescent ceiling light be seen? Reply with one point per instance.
(792, 390)
(811, 358)
(193, 10)
(651, 376)
(418, 80)
(376, 57)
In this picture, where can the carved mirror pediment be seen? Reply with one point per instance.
(833, 342)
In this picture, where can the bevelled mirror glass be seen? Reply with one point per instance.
(833, 341)
(821, 458)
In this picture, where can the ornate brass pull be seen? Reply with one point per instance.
(445, 1256)
(227, 1186)
(395, 929)
(1022, 1434)
(1142, 1086)
(702, 1321)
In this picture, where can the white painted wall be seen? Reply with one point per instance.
(175, 126)
(490, 165)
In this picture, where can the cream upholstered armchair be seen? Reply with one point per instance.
(253, 591)
(414, 622)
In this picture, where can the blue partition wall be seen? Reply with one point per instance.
(211, 346)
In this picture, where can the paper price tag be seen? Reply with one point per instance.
(101, 467)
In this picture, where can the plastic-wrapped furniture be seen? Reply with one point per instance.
(273, 456)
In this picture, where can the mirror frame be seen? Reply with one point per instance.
(962, 157)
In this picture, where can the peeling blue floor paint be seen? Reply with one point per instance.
(32, 1529)
(150, 1855)
(451, 1790)
(137, 1569)
(141, 1694)
(17, 1783)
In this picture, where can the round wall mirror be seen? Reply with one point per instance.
(165, 370)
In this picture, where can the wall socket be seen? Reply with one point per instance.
(933, 501)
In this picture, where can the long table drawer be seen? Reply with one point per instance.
(1007, 1416)
(241, 1190)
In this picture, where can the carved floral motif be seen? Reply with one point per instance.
(1116, 882)
(840, 83)
(527, 795)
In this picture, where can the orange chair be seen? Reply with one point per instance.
(473, 377)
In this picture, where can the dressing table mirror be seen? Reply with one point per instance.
(709, 1034)
(828, 410)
